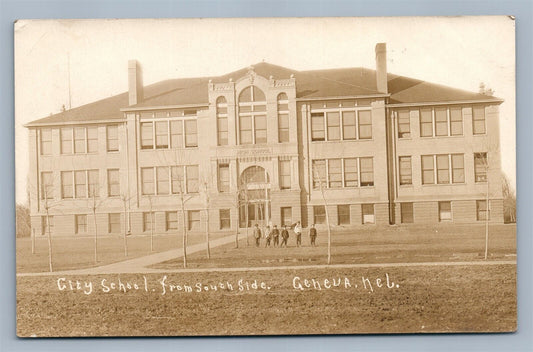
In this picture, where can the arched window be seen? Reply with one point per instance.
(222, 121)
(283, 118)
(252, 116)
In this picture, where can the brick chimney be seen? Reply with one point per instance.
(135, 82)
(381, 68)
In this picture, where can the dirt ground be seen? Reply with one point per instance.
(370, 245)
(414, 299)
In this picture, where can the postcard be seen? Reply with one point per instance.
(265, 176)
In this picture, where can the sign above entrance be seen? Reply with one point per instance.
(254, 152)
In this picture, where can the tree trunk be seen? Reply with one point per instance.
(49, 241)
(95, 238)
(207, 233)
(151, 230)
(487, 220)
(184, 236)
(32, 241)
(125, 229)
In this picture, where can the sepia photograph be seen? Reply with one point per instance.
(265, 176)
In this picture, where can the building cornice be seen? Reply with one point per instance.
(366, 96)
(70, 123)
(451, 102)
(164, 107)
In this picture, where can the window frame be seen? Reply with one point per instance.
(344, 215)
(284, 173)
(224, 221)
(111, 224)
(320, 123)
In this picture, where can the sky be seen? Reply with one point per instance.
(91, 57)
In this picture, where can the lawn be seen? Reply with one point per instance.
(371, 245)
(420, 299)
(78, 252)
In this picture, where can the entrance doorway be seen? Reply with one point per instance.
(254, 197)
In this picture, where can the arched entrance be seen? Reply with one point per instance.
(254, 197)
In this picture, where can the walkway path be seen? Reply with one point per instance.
(139, 265)
(112, 269)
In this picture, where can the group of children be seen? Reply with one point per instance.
(273, 235)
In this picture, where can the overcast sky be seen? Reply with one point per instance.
(456, 51)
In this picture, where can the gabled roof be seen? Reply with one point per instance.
(313, 84)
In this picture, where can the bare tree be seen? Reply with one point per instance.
(125, 201)
(150, 202)
(318, 179)
(509, 201)
(205, 190)
(93, 206)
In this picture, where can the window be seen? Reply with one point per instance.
(171, 220)
(480, 167)
(365, 124)
(176, 134)
(80, 223)
(443, 170)
(113, 182)
(67, 190)
(148, 221)
(478, 118)
(354, 169)
(222, 121)
(441, 122)
(350, 173)
(147, 135)
(319, 213)
(223, 178)
(283, 118)
(194, 220)
(192, 178)
(79, 140)
(93, 183)
(80, 181)
(66, 140)
(286, 216)
(161, 134)
(426, 123)
(46, 141)
(318, 132)
(367, 172)
(448, 121)
(47, 223)
(225, 219)
(147, 180)
(456, 121)
(319, 173)
(334, 126)
(406, 177)
(406, 210)
(260, 129)
(428, 171)
(443, 174)
(176, 176)
(482, 212)
(458, 168)
(245, 125)
(343, 214)
(335, 173)
(162, 179)
(112, 138)
(114, 222)
(252, 116)
(367, 210)
(191, 133)
(284, 174)
(47, 185)
(404, 124)
(445, 211)
(349, 125)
